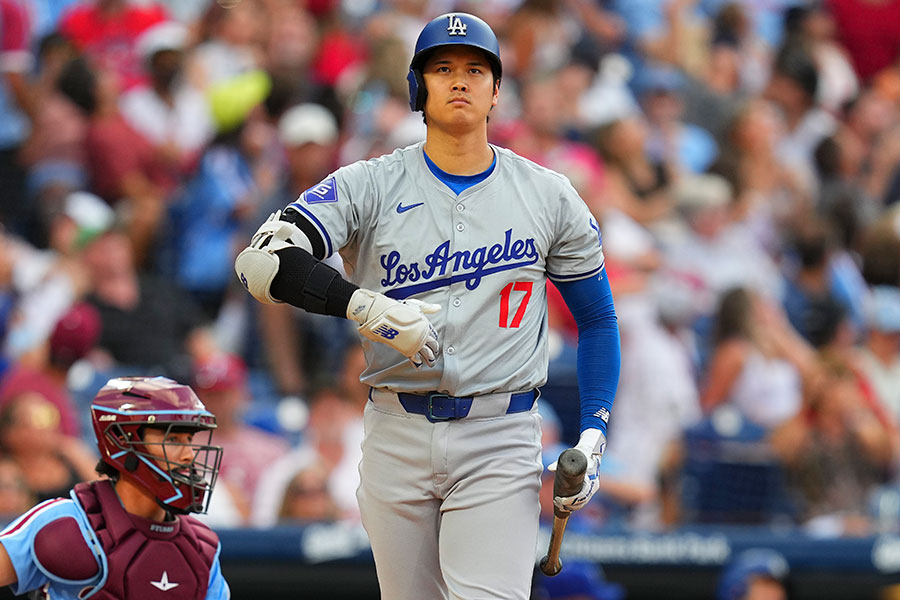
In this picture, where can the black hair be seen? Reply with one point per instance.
(733, 315)
(812, 242)
(78, 82)
(796, 63)
(827, 157)
(104, 468)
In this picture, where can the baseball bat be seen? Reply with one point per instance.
(570, 470)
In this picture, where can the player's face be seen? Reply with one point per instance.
(460, 86)
(172, 446)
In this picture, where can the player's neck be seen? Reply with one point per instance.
(459, 155)
(138, 502)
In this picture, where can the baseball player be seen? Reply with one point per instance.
(452, 239)
(128, 537)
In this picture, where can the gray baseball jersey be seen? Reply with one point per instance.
(483, 256)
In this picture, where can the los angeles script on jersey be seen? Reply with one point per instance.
(463, 265)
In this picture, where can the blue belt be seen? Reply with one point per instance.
(441, 407)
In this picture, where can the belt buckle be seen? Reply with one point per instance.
(429, 408)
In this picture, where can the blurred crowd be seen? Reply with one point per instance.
(742, 157)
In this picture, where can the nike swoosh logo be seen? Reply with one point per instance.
(402, 209)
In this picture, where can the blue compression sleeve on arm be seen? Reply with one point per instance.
(599, 357)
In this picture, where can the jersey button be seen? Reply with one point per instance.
(456, 302)
(460, 226)
(460, 208)
(450, 350)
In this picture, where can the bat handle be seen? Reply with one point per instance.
(570, 469)
(551, 564)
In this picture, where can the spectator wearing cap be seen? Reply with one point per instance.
(220, 381)
(303, 350)
(31, 434)
(578, 581)
(755, 574)
(73, 337)
(714, 251)
(309, 134)
(880, 353)
(74, 222)
(47, 282)
(170, 114)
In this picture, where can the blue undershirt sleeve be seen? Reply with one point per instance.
(591, 303)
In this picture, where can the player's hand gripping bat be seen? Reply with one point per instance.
(570, 469)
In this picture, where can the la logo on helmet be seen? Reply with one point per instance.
(456, 26)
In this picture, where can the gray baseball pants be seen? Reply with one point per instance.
(451, 508)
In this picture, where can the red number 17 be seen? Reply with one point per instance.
(514, 286)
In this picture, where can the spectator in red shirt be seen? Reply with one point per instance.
(870, 31)
(123, 166)
(107, 30)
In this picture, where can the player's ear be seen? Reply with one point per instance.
(496, 93)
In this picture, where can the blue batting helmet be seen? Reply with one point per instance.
(756, 562)
(448, 30)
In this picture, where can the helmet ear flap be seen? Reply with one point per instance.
(417, 90)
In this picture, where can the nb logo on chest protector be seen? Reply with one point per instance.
(456, 26)
(386, 332)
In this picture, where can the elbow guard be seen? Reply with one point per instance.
(257, 264)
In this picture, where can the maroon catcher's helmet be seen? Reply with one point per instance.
(120, 412)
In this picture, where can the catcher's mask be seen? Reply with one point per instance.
(122, 413)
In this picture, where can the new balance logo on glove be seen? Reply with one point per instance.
(386, 332)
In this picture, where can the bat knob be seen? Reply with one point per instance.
(548, 569)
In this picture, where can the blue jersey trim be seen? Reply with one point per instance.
(95, 544)
(402, 293)
(318, 223)
(554, 277)
(459, 183)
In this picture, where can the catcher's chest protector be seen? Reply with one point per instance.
(147, 559)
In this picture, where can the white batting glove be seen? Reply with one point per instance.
(401, 325)
(257, 264)
(592, 443)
